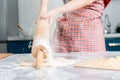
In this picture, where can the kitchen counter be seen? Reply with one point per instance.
(112, 35)
(10, 69)
(29, 38)
(16, 38)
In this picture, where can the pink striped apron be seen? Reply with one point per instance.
(81, 30)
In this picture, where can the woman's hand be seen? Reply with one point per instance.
(50, 15)
(39, 18)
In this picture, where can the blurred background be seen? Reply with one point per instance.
(17, 24)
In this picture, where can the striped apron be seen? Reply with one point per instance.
(80, 30)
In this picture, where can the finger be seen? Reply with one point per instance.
(43, 17)
(51, 20)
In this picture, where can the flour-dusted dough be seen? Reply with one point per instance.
(105, 63)
(57, 62)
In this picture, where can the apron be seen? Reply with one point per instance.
(80, 30)
(106, 2)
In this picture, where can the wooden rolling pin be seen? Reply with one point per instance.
(41, 55)
(4, 55)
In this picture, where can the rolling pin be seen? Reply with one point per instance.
(41, 55)
(4, 55)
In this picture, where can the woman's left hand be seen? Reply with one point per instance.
(51, 15)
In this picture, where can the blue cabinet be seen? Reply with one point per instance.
(24, 46)
(112, 44)
(19, 46)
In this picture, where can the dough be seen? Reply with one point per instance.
(105, 63)
(57, 62)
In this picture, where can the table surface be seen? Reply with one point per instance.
(10, 70)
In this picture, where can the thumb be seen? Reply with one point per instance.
(45, 16)
(50, 20)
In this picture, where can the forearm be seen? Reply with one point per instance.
(41, 35)
(43, 7)
(42, 26)
(73, 5)
(42, 29)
